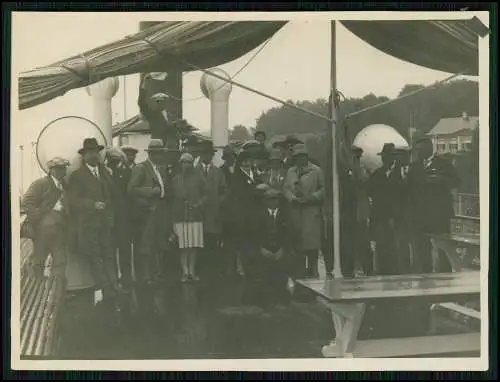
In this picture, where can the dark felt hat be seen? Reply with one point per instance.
(388, 148)
(90, 144)
(228, 151)
(292, 140)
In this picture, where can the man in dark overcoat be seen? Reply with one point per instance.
(91, 194)
(431, 178)
(386, 190)
(216, 191)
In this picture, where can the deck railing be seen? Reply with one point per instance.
(467, 214)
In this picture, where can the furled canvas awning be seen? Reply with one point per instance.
(449, 46)
(205, 44)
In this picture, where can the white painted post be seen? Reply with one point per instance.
(102, 92)
(218, 92)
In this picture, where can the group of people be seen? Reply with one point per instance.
(243, 218)
(260, 215)
(396, 208)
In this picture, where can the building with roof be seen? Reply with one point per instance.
(452, 135)
(135, 132)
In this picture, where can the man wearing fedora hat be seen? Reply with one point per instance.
(304, 190)
(385, 189)
(92, 194)
(149, 186)
(46, 211)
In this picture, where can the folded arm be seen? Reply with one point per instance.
(319, 194)
(136, 186)
(77, 201)
(30, 204)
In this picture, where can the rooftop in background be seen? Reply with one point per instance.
(137, 125)
(449, 126)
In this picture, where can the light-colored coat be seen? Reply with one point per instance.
(306, 218)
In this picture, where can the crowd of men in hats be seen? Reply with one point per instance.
(259, 216)
(396, 208)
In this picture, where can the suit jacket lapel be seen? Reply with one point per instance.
(54, 192)
(152, 173)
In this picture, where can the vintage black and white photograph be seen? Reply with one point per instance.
(303, 189)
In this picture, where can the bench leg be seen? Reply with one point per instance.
(450, 250)
(347, 319)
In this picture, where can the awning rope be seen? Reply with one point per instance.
(449, 78)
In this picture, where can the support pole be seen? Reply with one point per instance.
(337, 268)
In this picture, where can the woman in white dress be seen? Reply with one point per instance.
(187, 210)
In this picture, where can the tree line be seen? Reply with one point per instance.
(421, 111)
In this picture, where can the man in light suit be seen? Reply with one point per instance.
(44, 205)
(216, 190)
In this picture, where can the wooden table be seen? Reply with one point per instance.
(347, 300)
(449, 243)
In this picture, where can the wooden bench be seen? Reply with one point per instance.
(348, 299)
(450, 243)
(453, 345)
(468, 259)
(40, 309)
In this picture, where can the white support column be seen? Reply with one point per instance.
(218, 92)
(102, 92)
(337, 267)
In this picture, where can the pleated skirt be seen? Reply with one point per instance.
(189, 234)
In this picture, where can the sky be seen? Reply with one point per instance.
(295, 65)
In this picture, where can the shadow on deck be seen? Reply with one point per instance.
(200, 321)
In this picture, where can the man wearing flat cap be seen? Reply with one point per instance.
(431, 179)
(304, 190)
(128, 232)
(46, 223)
(229, 157)
(153, 107)
(131, 153)
(215, 193)
(288, 144)
(275, 172)
(116, 162)
(91, 194)
(149, 186)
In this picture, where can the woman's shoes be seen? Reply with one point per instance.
(186, 278)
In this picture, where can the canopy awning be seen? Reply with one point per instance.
(449, 46)
(203, 43)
